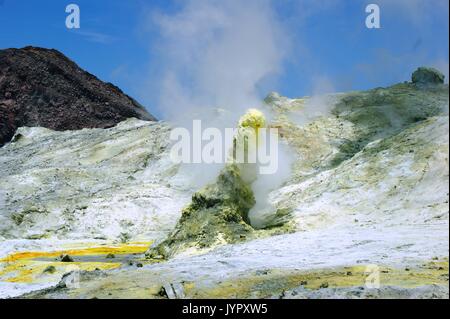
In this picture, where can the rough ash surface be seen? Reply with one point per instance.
(42, 87)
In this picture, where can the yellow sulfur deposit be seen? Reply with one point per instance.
(253, 118)
(24, 267)
(245, 148)
(279, 280)
(32, 271)
(130, 248)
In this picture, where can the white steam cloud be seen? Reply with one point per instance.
(218, 59)
(217, 54)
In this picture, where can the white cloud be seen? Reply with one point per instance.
(96, 37)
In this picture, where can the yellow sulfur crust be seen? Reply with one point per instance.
(22, 267)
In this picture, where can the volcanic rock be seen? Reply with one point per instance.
(424, 75)
(42, 87)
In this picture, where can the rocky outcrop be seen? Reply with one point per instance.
(427, 76)
(217, 215)
(42, 87)
(113, 183)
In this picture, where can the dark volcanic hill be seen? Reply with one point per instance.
(42, 87)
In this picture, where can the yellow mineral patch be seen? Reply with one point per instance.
(261, 284)
(22, 267)
(31, 271)
(253, 118)
(277, 281)
(131, 248)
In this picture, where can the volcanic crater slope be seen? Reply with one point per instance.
(369, 189)
(42, 87)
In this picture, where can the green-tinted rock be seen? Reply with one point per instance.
(218, 213)
(50, 269)
(424, 75)
(384, 112)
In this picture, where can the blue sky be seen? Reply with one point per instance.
(324, 45)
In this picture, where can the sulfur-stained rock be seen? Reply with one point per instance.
(218, 213)
(66, 258)
(50, 269)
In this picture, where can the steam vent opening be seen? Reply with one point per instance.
(219, 212)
